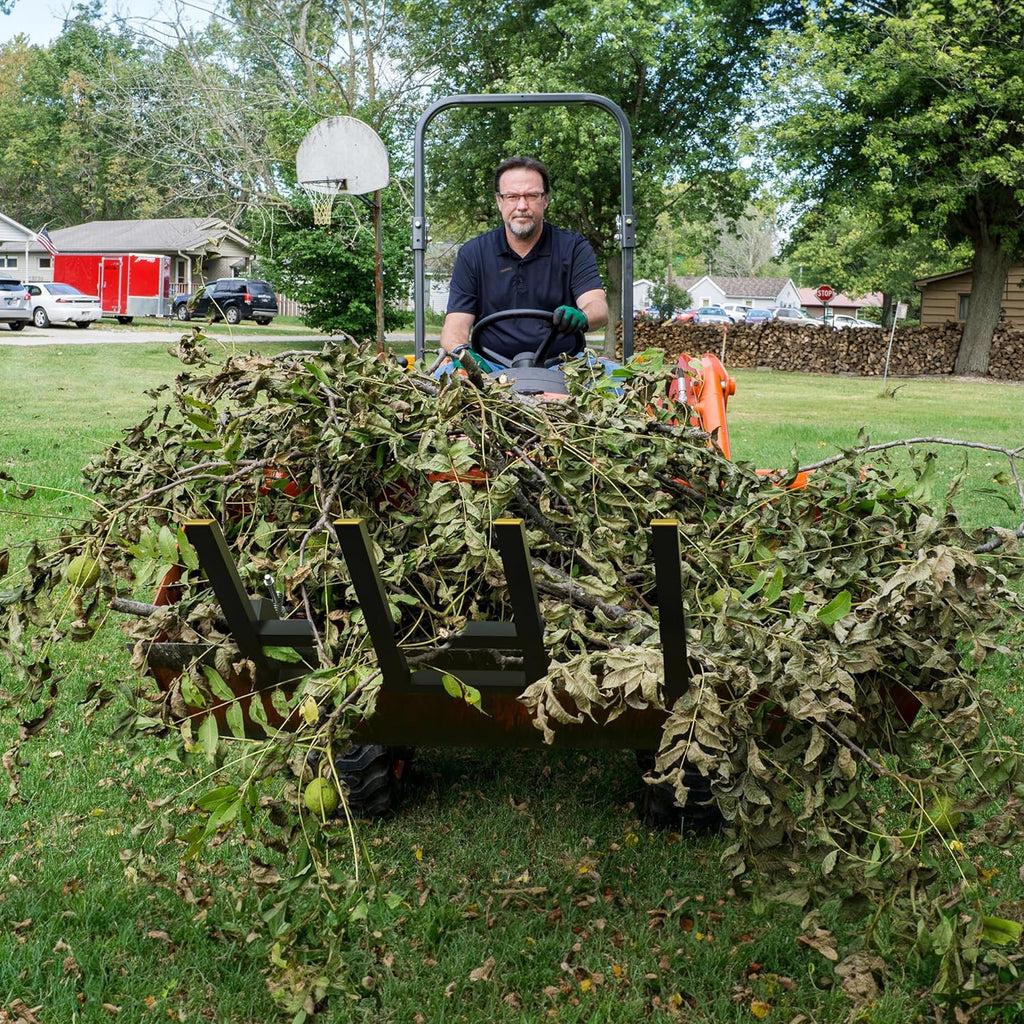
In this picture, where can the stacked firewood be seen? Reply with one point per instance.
(781, 346)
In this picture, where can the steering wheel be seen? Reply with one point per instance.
(540, 355)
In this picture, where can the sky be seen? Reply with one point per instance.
(42, 20)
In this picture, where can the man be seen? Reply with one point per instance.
(524, 264)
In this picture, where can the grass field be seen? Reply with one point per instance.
(514, 887)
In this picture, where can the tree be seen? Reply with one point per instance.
(678, 70)
(669, 297)
(62, 158)
(330, 270)
(850, 250)
(915, 112)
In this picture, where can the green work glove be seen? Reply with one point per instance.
(568, 319)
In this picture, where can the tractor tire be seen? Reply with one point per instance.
(659, 810)
(374, 777)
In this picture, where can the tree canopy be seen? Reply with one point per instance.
(896, 130)
(677, 70)
(913, 113)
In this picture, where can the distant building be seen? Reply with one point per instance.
(946, 296)
(756, 292)
(201, 248)
(841, 303)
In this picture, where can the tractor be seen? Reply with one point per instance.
(421, 699)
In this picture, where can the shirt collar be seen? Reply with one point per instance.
(542, 248)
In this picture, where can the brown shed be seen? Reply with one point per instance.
(945, 296)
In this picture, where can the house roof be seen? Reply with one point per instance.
(941, 277)
(187, 235)
(739, 287)
(808, 298)
(12, 231)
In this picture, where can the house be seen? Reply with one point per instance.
(642, 293)
(841, 303)
(16, 245)
(201, 248)
(945, 297)
(756, 292)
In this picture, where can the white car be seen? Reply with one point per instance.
(845, 320)
(14, 309)
(53, 302)
(735, 311)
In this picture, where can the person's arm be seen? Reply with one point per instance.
(595, 306)
(455, 331)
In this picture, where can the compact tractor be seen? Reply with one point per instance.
(424, 693)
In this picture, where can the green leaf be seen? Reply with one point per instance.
(836, 609)
(236, 721)
(1001, 931)
(460, 690)
(202, 422)
(208, 736)
(168, 546)
(220, 688)
(190, 693)
(217, 797)
(287, 654)
(774, 589)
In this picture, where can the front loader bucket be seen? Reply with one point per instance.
(498, 658)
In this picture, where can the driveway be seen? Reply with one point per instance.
(103, 332)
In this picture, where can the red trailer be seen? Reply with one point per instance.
(128, 284)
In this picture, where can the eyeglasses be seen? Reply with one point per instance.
(514, 197)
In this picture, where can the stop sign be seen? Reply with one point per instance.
(824, 293)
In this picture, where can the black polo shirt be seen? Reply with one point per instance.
(488, 276)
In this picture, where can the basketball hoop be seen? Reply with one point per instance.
(339, 155)
(321, 195)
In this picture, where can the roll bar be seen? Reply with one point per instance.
(625, 223)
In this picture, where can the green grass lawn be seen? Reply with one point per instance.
(513, 887)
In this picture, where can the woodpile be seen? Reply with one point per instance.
(916, 351)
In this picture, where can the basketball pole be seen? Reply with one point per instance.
(378, 269)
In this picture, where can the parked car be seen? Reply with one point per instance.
(757, 316)
(54, 302)
(14, 308)
(233, 299)
(712, 315)
(736, 312)
(845, 320)
(791, 315)
(685, 316)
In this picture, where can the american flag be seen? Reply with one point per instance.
(44, 239)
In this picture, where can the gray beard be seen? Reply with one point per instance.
(523, 230)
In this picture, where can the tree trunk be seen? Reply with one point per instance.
(613, 287)
(988, 284)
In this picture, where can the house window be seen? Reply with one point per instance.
(8, 261)
(961, 306)
(45, 262)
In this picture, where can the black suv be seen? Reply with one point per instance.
(15, 310)
(233, 299)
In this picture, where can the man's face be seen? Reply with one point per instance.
(522, 215)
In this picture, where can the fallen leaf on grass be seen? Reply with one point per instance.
(821, 940)
(483, 972)
(23, 1014)
(857, 973)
